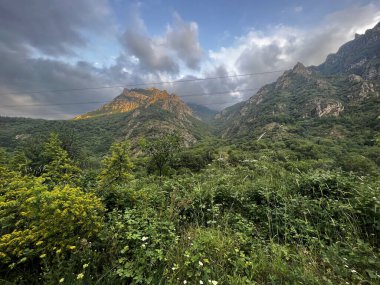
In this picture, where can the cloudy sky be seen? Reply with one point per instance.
(63, 58)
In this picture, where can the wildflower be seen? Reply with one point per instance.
(200, 263)
(85, 265)
(43, 255)
(80, 276)
(184, 282)
(84, 242)
(61, 280)
(214, 282)
(144, 238)
(353, 271)
(200, 282)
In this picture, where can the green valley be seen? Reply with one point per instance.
(283, 188)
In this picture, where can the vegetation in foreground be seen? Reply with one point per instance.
(260, 212)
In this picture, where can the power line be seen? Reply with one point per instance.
(142, 84)
(102, 102)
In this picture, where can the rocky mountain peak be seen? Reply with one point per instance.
(300, 69)
(131, 99)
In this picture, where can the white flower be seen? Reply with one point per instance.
(214, 282)
(353, 271)
(80, 276)
(200, 263)
(184, 281)
(61, 280)
(200, 282)
(144, 238)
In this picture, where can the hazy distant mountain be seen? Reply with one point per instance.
(202, 112)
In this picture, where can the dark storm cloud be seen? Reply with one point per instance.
(50, 26)
(20, 77)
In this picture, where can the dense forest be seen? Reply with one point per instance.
(154, 212)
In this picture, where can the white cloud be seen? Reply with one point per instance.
(281, 47)
(167, 57)
(178, 46)
(182, 37)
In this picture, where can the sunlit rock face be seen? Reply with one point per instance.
(131, 99)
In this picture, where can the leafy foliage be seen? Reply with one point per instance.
(59, 169)
(258, 212)
(161, 151)
(116, 166)
(36, 221)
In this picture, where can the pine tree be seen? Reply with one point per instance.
(116, 166)
(20, 162)
(59, 169)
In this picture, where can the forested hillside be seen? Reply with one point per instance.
(283, 188)
(296, 211)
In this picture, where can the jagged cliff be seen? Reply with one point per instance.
(360, 56)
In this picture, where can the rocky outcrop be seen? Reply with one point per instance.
(359, 56)
(325, 109)
(132, 99)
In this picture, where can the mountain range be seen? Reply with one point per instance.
(338, 99)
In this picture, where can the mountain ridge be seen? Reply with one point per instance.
(311, 93)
